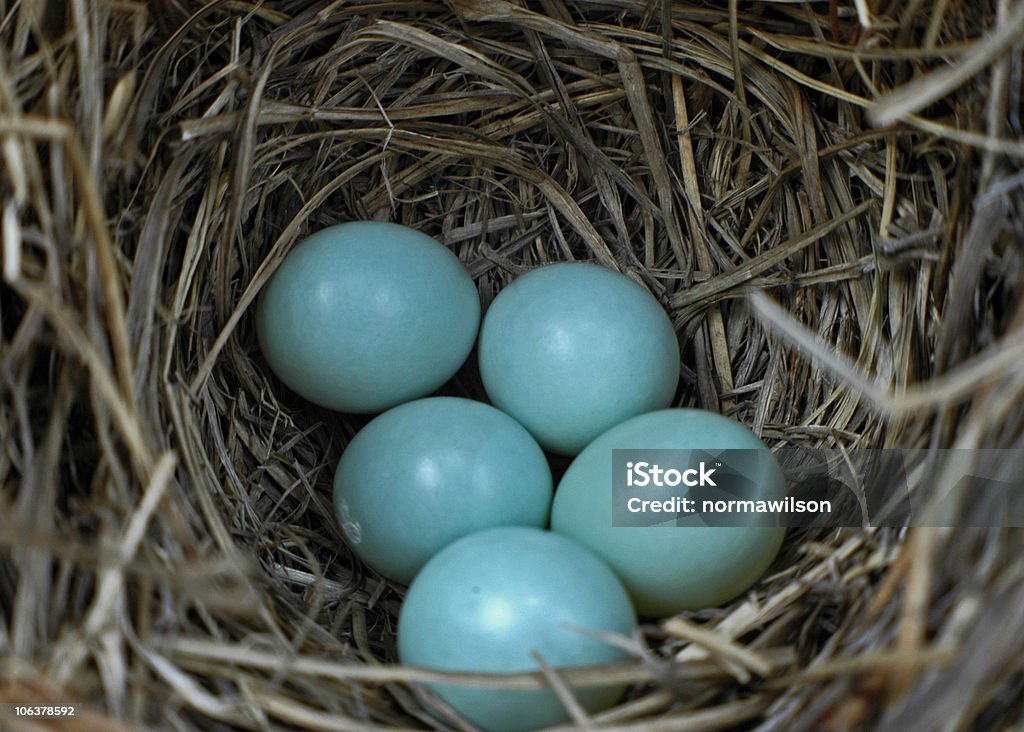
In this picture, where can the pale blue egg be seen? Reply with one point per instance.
(431, 471)
(668, 568)
(487, 602)
(571, 350)
(366, 315)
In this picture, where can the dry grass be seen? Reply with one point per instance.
(168, 553)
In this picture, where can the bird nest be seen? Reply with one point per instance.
(168, 550)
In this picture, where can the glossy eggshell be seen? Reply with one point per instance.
(486, 602)
(362, 316)
(667, 569)
(571, 350)
(428, 472)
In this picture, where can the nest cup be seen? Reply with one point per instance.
(168, 549)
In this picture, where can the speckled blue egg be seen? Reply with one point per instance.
(428, 472)
(362, 316)
(667, 568)
(489, 601)
(571, 350)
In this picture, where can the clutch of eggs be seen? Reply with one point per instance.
(452, 495)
